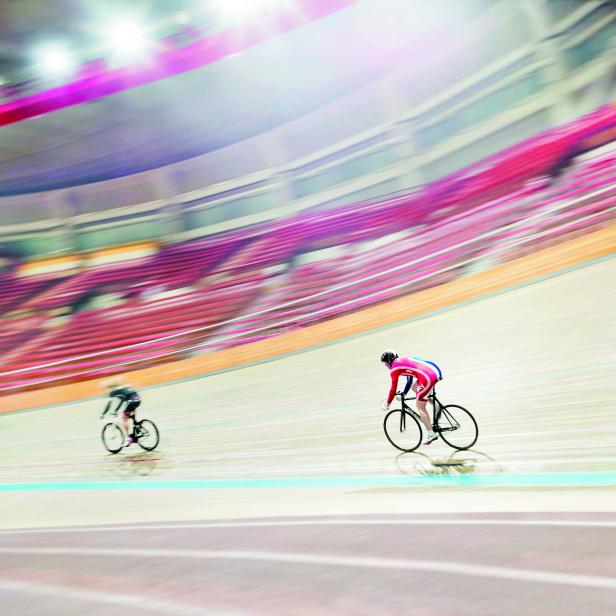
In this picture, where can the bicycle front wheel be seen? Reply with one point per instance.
(402, 430)
(457, 427)
(146, 434)
(113, 437)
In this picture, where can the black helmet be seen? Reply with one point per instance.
(389, 356)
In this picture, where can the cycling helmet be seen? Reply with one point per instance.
(112, 383)
(388, 357)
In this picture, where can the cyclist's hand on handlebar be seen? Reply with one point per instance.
(384, 405)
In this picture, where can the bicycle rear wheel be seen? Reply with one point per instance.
(146, 434)
(457, 427)
(113, 437)
(402, 430)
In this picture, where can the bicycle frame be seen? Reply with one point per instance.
(113, 417)
(445, 419)
(116, 416)
(436, 404)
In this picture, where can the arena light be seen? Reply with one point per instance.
(127, 39)
(54, 60)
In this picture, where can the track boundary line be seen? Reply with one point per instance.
(334, 560)
(299, 523)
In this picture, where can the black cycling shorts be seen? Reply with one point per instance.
(131, 407)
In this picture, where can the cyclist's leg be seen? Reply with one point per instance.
(422, 387)
(127, 431)
(129, 413)
(426, 386)
(421, 407)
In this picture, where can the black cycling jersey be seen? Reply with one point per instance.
(125, 394)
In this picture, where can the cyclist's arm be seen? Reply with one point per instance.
(106, 409)
(409, 383)
(393, 388)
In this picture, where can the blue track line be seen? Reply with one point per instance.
(496, 480)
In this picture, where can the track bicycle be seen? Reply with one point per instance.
(453, 423)
(144, 433)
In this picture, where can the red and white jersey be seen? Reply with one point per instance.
(424, 372)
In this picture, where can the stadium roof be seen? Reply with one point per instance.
(201, 110)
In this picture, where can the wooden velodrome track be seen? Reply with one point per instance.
(274, 491)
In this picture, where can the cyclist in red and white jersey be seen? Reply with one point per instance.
(424, 373)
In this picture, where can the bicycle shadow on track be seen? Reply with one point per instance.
(139, 464)
(466, 462)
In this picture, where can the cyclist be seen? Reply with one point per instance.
(125, 395)
(426, 374)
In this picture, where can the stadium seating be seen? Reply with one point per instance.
(154, 330)
(173, 267)
(16, 290)
(246, 285)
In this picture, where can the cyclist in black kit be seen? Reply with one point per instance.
(125, 395)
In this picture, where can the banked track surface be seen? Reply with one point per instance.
(302, 437)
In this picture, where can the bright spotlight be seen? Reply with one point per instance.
(54, 60)
(128, 39)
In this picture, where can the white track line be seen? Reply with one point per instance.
(333, 560)
(337, 522)
(93, 596)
